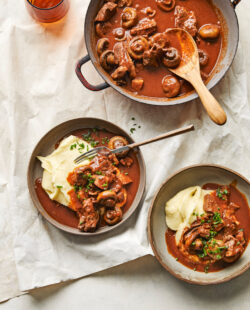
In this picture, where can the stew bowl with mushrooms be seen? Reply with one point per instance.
(127, 43)
(94, 196)
(199, 224)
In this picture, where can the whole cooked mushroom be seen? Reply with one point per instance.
(137, 46)
(107, 60)
(171, 86)
(102, 45)
(171, 57)
(129, 17)
(209, 32)
(116, 142)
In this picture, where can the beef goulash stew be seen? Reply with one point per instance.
(209, 230)
(134, 48)
(95, 193)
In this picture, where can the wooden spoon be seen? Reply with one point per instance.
(189, 69)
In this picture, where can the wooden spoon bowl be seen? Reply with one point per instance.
(189, 69)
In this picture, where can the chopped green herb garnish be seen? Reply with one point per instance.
(133, 119)
(132, 130)
(194, 269)
(59, 186)
(206, 269)
(218, 256)
(98, 172)
(73, 146)
(177, 259)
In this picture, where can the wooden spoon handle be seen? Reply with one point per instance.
(163, 136)
(212, 106)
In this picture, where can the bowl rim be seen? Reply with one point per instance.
(150, 234)
(157, 101)
(74, 231)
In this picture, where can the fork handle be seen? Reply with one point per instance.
(164, 136)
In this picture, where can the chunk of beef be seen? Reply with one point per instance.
(127, 161)
(119, 73)
(89, 217)
(123, 58)
(234, 248)
(106, 12)
(210, 204)
(152, 57)
(145, 26)
(125, 179)
(186, 20)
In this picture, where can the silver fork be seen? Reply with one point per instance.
(104, 149)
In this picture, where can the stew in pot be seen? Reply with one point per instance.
(134, 49)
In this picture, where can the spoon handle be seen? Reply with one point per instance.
(212, 106)
(163, 136)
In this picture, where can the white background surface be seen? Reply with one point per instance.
(143, 284)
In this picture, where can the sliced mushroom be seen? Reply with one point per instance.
(166, 5)
(216, 249)
(160, 38)
(209, 32)
(120, 34)
(102, 29)
(107, 60)
(149, 11)
(203, 57)
(171, 86)
(112, 217)
(121, 198)
(171, 57)
(137, 46)
(116, 142)
(107, 199)
(129, 17)
(102, 45)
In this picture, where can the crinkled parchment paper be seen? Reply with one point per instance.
(38, 90)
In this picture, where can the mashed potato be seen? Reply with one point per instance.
(59, 164)
(182, 210)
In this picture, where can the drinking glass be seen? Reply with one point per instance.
(47, 11)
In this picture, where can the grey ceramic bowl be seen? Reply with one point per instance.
(46, 145)
(190, 176)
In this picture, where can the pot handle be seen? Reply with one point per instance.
(235, 2)
(82, 78)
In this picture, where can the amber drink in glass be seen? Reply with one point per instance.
(47, 11)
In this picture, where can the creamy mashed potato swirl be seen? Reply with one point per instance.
(59, 164)
(182, 210)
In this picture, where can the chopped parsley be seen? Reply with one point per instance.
(73, 146)
(59, 186)
(105, 140)
(177, 259)
(132, 130)
(206, 269)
